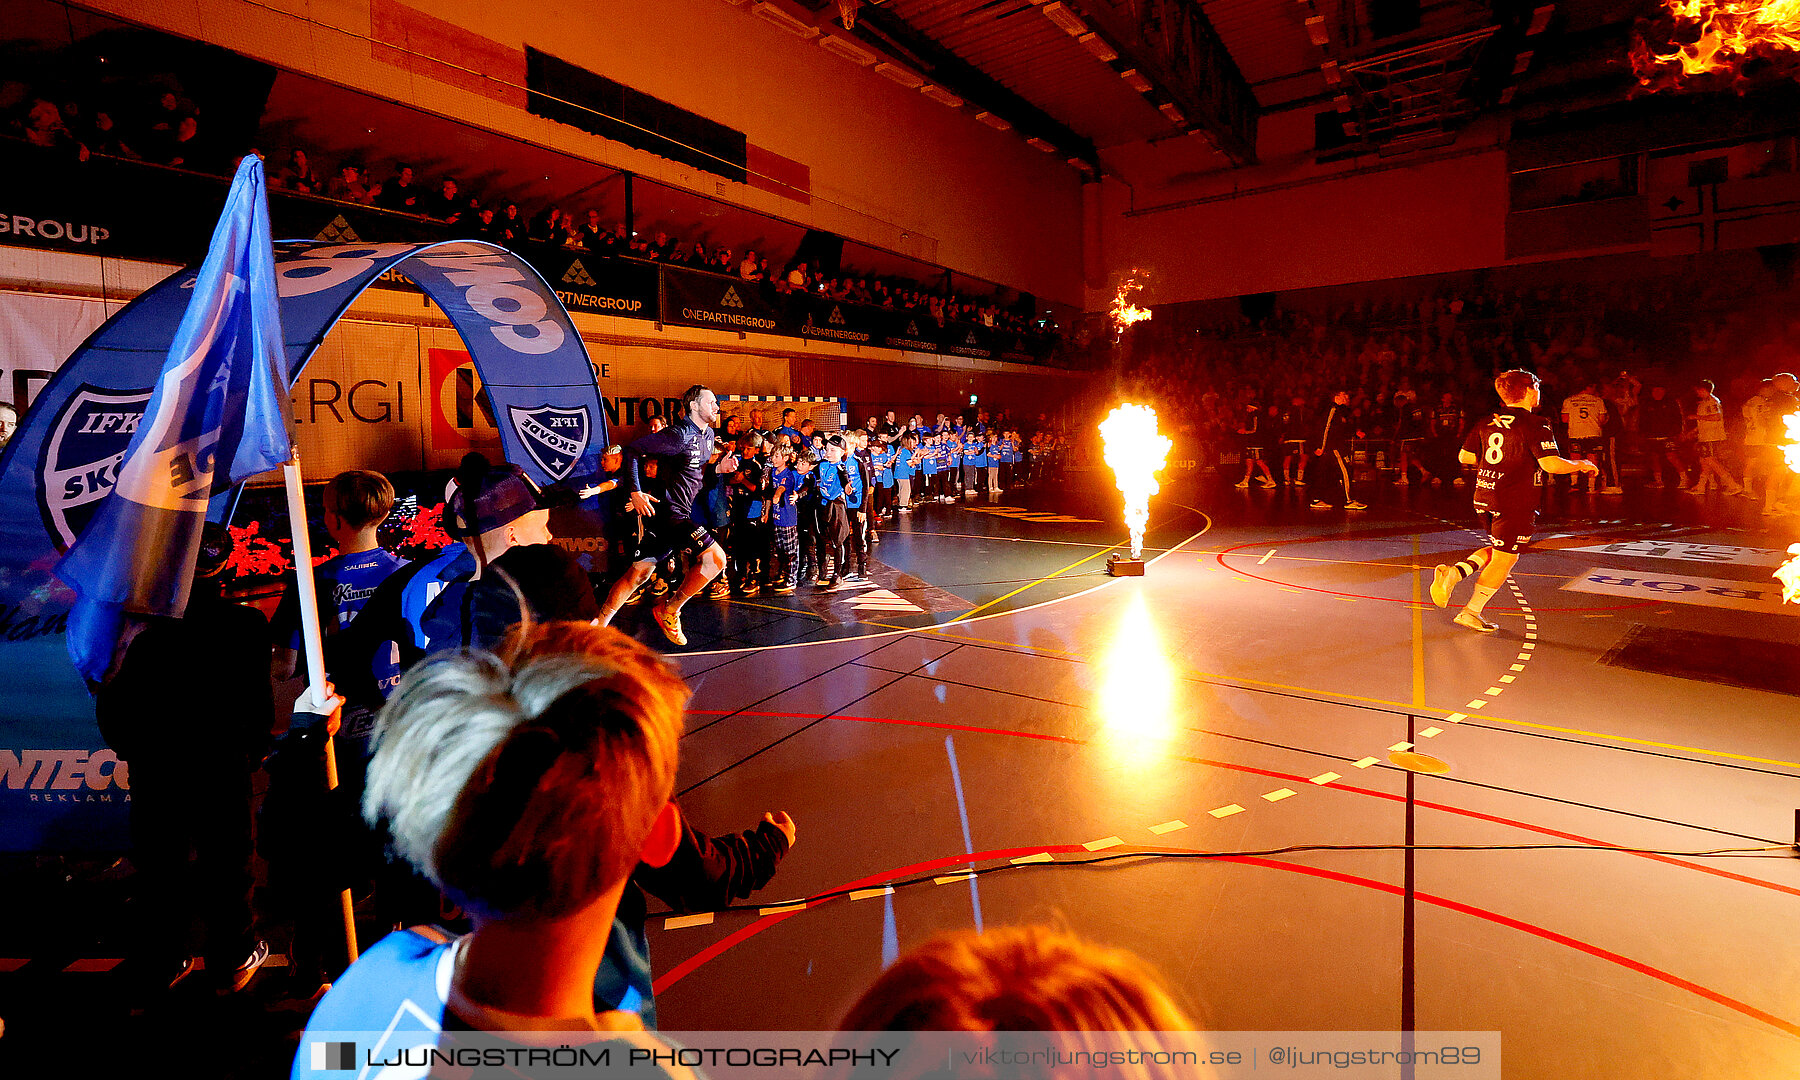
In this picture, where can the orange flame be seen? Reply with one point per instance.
(1727, 34)
(1135, 453)
(1124, 313)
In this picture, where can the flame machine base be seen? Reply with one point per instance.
(1117, 567)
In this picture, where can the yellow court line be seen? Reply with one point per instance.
(1207, 675)
(1040, 581)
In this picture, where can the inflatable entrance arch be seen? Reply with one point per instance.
(60, 788)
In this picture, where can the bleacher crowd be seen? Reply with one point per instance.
(1671, 380)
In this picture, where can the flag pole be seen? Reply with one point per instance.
(313, 642)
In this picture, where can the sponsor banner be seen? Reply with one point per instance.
(911, 331)
(697, 298)
(58, 469)
(106, 206)
(835, 320)
(623, 288)
(962, 339)
(1676, 588)
(1724, 554)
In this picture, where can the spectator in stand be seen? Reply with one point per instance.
(159, 127)
(546, 226)
(510, 227)
(9, 422)
(594, 235)
(190, 151)
(572, 235)
(348, 185)
(447, 205)
(401, 194)
(797, 278)
(44, 128)
(104, 137)
(488, 227)
(298, 175)
(749, 269)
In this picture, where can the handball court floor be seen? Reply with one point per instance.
(1196, 765)
(1175, 732)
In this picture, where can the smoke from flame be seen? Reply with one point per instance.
(1135, 453)
(1725, 35)
(1124, 312)
(1789, 574)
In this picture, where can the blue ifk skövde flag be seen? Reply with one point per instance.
(216, 417)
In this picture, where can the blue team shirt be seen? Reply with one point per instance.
(785, 515)
(884, 467)
(400, 988)
(903, 464)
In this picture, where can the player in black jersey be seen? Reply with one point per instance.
(1512, 450)
(683, 453)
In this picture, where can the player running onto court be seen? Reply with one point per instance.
(681, 452)
(1512, 450)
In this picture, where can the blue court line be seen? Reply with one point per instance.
(962, 810)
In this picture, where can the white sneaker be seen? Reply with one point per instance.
(1354, 505)
(1402, 482)
(1440, 586)
(1474, 622)
(1244, 483)
(1458, 482)
(1266, 482)
(1613, 490)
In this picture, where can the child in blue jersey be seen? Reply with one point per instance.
(990, 459)
(883, 457)
(532, 785)
(974, 461)
(906, 466)
(929, 466)
(858, 499)
(805, 462)
(784, 514)
(833, 481)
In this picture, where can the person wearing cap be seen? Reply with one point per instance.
(683, 453)
(189, 708)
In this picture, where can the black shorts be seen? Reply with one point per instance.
(1293, 447)
(663, 536)
(1510, 531)
(1586, 446)
(1254, 453)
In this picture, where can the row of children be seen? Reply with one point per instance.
(801, 507)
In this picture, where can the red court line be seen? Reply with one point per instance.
(1641, 968)
(695, 962)
(1334, 786)
(687, 967)
(1255, 544)
(904, 723)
